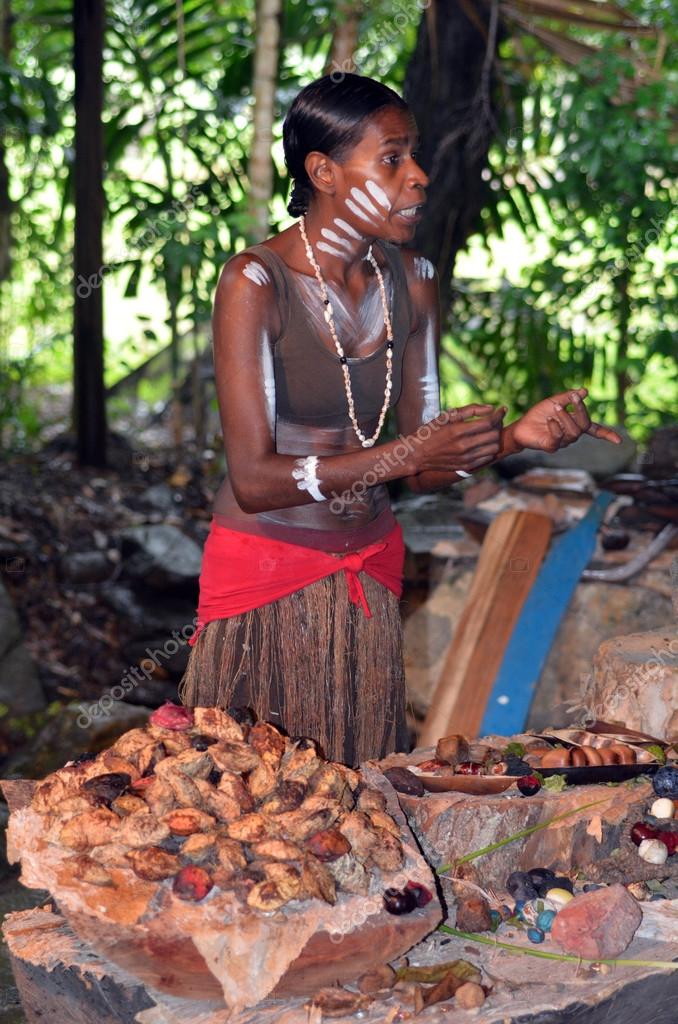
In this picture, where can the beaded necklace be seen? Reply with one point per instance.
(366, 442)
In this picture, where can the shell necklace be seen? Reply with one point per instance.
(366, 442)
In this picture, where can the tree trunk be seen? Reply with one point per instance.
(263, 88)
(5, 201)
(89, 409)
(621, 373)
(344, 40)
(449, 86)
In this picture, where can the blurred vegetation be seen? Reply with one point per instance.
(582, 167)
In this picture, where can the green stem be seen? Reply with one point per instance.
(665, 965)
(516, 835)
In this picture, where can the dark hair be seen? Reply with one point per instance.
(328, 115)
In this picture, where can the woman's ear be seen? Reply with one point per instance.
(321, 172)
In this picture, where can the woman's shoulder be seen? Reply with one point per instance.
(418, 267)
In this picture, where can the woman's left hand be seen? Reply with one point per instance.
(549, 425)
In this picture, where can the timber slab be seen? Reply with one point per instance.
(60, 978)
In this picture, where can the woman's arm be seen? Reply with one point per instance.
(245, 325)
(418, 409)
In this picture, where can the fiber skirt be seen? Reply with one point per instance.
(314, 663)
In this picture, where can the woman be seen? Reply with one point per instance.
(317, 333)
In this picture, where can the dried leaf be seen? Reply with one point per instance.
(339, 1002)
(462, 969)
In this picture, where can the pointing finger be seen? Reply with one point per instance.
(604, 433)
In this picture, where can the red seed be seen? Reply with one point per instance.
(421, 894)
(172, 716)
(468, 768)
(192, 883)
(641, 831)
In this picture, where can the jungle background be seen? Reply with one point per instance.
(140, 147)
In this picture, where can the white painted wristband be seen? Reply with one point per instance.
(461, 472)
(307, 477)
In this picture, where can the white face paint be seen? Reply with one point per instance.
(306, 475)
(377, 192)
(255, 272)
(423, 268)
(364, 200)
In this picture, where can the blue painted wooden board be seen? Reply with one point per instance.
(535, 630)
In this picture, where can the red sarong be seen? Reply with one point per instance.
(242, 571)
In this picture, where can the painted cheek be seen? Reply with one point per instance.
(378, 194)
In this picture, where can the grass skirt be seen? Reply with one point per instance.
(314, 663)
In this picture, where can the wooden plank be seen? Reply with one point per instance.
(536, 628)
(510, 557)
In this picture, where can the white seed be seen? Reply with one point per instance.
(653, 851)
(662, 808)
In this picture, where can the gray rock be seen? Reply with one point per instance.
(88, 726)
(145, 615)
(159, 497)
(20, 687)
(85, 567)
(162, 556)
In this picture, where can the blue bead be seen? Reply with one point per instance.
(545, 920)
(519, 906)
(505, 911)
(535, 935)
(495, 918)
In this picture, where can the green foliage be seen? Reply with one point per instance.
(570, 165)
(586, 168)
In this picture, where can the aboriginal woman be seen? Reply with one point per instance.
(319, 333)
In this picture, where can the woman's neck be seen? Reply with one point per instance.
(339, 248)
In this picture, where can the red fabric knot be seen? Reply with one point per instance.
(352, 564)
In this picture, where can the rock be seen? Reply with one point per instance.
(473, 912)
(145, 616)
(159, 497)
(450, 825)
(598, 925)
(92, 725)
(469, 995)
(20, 687)
(597, 612)
(634, 682)
(85, 567)
(163, 556)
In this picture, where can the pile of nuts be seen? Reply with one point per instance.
(201, 799)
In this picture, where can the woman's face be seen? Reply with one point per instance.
(379, 187)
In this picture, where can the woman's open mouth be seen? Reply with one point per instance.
(411, 214)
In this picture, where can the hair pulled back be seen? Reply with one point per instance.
(328, 116)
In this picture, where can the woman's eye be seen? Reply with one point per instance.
(392, 157)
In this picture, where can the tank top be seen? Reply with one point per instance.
(312, 414)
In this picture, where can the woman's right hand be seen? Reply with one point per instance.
(460, 439)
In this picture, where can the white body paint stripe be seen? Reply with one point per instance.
(423, 268)
(331, 250)
(334, 237)
(256, 273)
(346, 227)
(307, 477)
